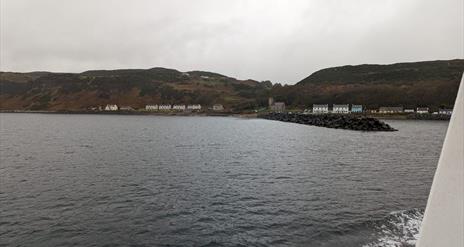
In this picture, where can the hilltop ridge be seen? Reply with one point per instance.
(132, 87)
(396, 73)
(430, 83)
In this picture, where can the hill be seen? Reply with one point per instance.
(432, 83)
(127, 87)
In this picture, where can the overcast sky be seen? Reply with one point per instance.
(279, 40)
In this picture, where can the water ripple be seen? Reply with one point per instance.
(89, 180)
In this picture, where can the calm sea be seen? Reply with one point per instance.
(100, 180)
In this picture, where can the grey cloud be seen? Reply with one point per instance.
(283, 41)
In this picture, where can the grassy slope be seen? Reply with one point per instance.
(431, 83)
(65, 91)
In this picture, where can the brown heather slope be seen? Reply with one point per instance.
(432, 83)
(136, 88)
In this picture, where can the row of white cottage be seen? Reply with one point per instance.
(337, 108)
(172, 107)
(384, 110)
(196, 107)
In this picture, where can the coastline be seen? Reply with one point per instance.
(231, 114)
(410, 117)
(141, 113)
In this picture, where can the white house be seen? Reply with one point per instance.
(164, 107)
(151, 107)
(194, 107)
(218, 107)
(111, 108)
(422, 110)
(318, 109)
(409, 110)
(178, 107)
(445, 111)
(126, 108)
(341, 109)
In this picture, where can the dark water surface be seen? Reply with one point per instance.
(95, 180)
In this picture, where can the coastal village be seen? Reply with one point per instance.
(356, 109)
(279, 107)
(159, 108)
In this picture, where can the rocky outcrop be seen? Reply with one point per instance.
(336, 121)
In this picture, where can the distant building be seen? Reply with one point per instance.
(341, 109)
(318, 109)
(445, 112)
(270, 101)
(164, 107)
(111, 108)
(151, 107)
(178, 107)
(194, 107)
(278, 107)
(356, 108)
(218, 107)
(409, 110)
(126, 108)
(422, 110)
(390, 109)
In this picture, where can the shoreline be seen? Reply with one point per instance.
(139, 113)
(430, 117)
(231, 114)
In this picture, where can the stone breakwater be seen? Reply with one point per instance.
(336, 121)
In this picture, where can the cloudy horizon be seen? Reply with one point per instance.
(273, 40)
